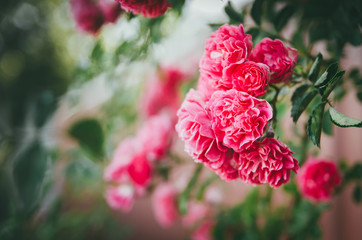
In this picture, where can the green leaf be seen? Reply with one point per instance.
(314, 126)
(357, 193)
(342, 120)
(301, 103)
(283, 17)
(327, 124)
(97, 51)
(233, 14)
(298, 93)
(89, 134)
(254, 32)
(314, 69)
(256, 11)
(332, 84)
(354, 173)
(327, 75)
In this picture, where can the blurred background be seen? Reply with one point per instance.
(59, 85)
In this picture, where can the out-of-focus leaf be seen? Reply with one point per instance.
(97, 51)
(314, 126)
(327, 126)
(318, 32)
(302, 103)
(45, 105)
(298, 93)
(354, 173)
(89, 134)
(215, 26)
(357, 193)
(256, 11)
(314, 69)
(342, 120)
(283, 17)
(234, 16)
(29, 173)
(177, 4)
(254, 32)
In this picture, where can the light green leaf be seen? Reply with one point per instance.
(342, 120)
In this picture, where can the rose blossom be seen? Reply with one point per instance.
(269, 161)
(280, 59)
(155, 136)
(226, 46)
(164, 205)
(194, 128)
(318, 178)
(238, 118)
(88, 15)
(148, 8)
(249, 77)
(110, 10)
(161, 92)
(204, 232)
(121, 197)
(129, 164)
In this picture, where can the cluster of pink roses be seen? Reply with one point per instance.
(90, 15)
(130, 171)
(222, 123)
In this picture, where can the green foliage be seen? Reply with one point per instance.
(357, 193)
(327, 126)
(283, 16)
(256, 11)
(234, 16)
(89, 134)
(301, 99)
(314, 69)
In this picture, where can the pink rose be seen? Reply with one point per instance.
(148, 8)
(195, 129)
(110, 10)
(318, 178)
(195, 213)
(249, 77)
(155, 136)
(204, 232)
(280, 59)
(238, 118)
(226, 46)
(87, 15)
(205, 86)
(162, 92)
(129, 164)
(164, 202)
(269, 161)
(121, 197)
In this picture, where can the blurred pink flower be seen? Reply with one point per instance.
(196, 212)
(155, 136)
(238, 118)
(249, 77)
(318, 178)
(162, 92)
(226, 46)
(139, 170)
(164, 205)
(88, 16)
(204, 232)
(269, 161)
(120, 197)
(280, 59)
(148, 8)
(110, 10)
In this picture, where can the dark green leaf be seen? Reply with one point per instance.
(357, 193)
(354, 173)
(359, 96)
(215, 26)
(89, 134)
(298, 93)
(254, 32)
(314, 126)
(342, 120)
(327, 126)
(302, 103)
(283, 17)
(314, 70)
(256, 11)
(233, 14)
(327, 75)
(177, 4)
(332, 84)
(318, 32)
